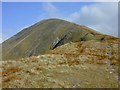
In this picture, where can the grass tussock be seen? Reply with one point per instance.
(10, 71)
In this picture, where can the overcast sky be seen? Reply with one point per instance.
(102, 17)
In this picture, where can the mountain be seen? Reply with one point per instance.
(56, 53)
(46, 35)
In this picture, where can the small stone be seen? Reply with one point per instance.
(110, 72)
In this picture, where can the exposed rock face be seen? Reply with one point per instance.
(47, 35)
(67, 38)
(85, 64)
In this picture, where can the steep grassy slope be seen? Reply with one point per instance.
(47, 35)
(86, 64)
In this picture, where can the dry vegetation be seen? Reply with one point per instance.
(84, 64)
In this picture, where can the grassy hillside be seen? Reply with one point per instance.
(55, 53)
(47, 35)
(85, 64)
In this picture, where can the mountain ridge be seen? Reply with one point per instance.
(60, 54)
(47, 35)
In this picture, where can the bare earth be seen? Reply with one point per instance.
(87, 64)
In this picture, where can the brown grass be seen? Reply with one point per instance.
(69, 54)
(0, 73)
(10, 71)
(62, 63)
(80, 48)
(70, 63)
(75, 62)
(9, 78)
(33, 59)
(114, 62)
(100, 63)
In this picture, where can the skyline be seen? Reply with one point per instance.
(100, 16)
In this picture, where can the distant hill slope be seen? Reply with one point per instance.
(47, 35)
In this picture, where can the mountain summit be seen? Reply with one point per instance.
(73, 56)
(47, 35)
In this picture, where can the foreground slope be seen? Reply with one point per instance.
(47, 35)
(86, 64)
